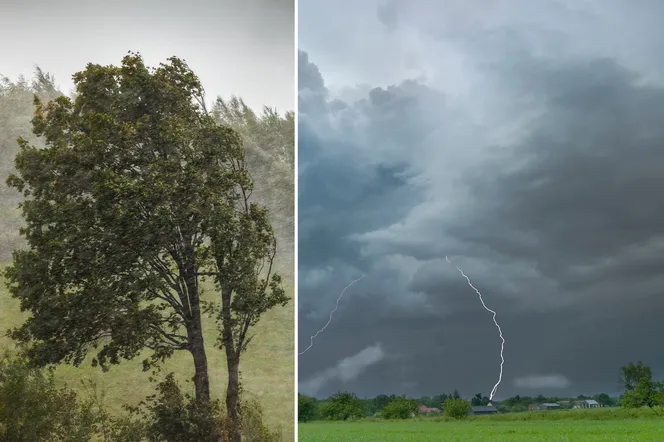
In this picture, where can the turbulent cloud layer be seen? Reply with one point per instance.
(523, 140)
(346, 370)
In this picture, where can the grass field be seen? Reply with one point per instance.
(267, 367)
(577, 425)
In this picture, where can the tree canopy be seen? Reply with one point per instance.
(137, 196)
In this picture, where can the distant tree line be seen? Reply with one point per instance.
(635, 378)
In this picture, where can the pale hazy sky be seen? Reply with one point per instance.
(243, 48)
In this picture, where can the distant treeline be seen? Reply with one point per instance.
(311, 408)
(636, 380)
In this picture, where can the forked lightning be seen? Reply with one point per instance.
(500, 331)
(311, 340)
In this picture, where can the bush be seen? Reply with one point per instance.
(253, 427)
(306, 408)
(643, 394)
(33, 409)
(342, 406)
(400, 408)
(173, 416)
(456, 408)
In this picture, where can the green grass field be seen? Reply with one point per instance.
(267, 367)
(577, 425)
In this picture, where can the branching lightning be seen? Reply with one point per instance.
(311, 339)
(500, 331)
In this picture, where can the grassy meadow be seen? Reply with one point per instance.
(267, 367)
(574, 425)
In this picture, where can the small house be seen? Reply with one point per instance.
(589, 403)
(533, 407)
(549, 406)
(483, 410)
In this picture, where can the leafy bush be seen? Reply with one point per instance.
(173, 416)
(400, 408)
(341, 407)
(253, 427)
(306, 408)
(33, 409)
(456, 408)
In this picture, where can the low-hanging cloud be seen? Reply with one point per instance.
(551, 381)
(346, 370)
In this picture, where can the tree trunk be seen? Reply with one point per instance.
(233, 364)
(196, 339)
(233, 398)
(201, 379)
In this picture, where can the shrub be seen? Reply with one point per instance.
(400, 408)
(456, 408)
(33, 409)
(342, 406)
(173, 416)
(253, 427)
(306, 408)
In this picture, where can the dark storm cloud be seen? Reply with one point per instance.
(242, 48)
(531, 153)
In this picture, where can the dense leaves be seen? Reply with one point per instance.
(342, 406)
(32, 408)
(400, 408)
(269, 142)
(456, 408)
(306, 408)
(640, 389)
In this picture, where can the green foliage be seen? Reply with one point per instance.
(435, 401)
(479, 400)
(32, 408)
(400, 408)
(382, 400)
(253, 427)
(642, 394)
(342, 406)
(456, 408)
(641, 391)
(633, 373)
(16, 110)
(306, 408)
(173, 416)
(269, 142)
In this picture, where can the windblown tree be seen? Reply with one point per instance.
(16, 111)
(640, 389)
(269, 141)
(138, 195)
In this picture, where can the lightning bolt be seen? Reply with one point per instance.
(500, 331)
(311, 339)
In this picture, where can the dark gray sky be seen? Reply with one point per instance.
(235, 47)
(524, 139)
